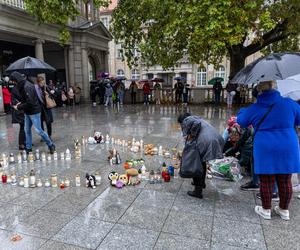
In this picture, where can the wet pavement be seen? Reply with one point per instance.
(146, 216)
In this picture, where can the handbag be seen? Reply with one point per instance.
(191, 165)
(63, 97)
(50, 103)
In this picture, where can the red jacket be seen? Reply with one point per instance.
(146, 89)
(6, 95)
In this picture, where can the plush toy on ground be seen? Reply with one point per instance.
(113, 177)
(114, 157)
(132, 174)
(124, 179)
(90, 181)
(98, 137)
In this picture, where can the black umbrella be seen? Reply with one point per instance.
(276, 66)
(30, 66)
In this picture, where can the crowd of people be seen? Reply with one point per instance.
(30, 101)
(263, 137)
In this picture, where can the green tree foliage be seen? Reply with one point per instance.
(58, 12)
(206, 30)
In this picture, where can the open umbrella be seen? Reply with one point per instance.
(276, 66)
(214, 80)
(290, 87)
(30, 66)
(157, 80)
(179, 78)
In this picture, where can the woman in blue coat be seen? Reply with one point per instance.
(276, 146)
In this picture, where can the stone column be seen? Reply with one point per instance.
(39, 53)
(71, 67)
(85, 73)
(106, 53)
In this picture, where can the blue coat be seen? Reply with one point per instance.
(276, 146)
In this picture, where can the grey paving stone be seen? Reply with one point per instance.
(145, 217)
(43, 224)
(277, 239)
(239, 211)
(189, 225)
(124, 194)
(11, 215)
(105, 209)
(69, 203)
(171, 187)
(222, 246)
(26, 243)
(9, 193)
(177, 242)
(188, 204)
(84, 232)
(128, 237)
(238, 233)
(37, 197)
(155, 198)
(54, 245)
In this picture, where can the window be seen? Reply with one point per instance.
(220, 72)
(135, 74)
(105, 22)
(120, 72)
(201, 76)
(150, 76)
(119, 51)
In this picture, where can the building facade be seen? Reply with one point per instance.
(196, 75)
(83, 57)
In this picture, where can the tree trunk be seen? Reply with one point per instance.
(237, 61)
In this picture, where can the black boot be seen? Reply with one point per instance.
(196, 193)
(204, 185)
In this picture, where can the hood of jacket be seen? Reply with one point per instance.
(191, 126)
(269, 97)
(19, 78)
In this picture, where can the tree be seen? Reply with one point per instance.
(59, 12)
(206, 30)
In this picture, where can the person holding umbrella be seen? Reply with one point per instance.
(217, 91)
(276, 146)
(30, 104)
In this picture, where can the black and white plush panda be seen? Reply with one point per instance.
(113, 177)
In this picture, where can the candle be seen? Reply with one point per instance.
(62, 156)
(98, 178)
(21, 182)
(67, 182)
(13, 179)
(54, 180)
(11, 158)
(49, 158)
(55, 157)
(68, 155)
(39, 183)
(77, 181)
(4, 178)
(32, 179)
(47, 183)
(37, 154)
(26, 181)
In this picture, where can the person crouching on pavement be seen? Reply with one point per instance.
(203, 143)
(30, 104)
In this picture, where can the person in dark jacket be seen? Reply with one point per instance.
(18, 117)
(217, 91)
(209, 144)
(178, 91)
(30, 104)
(46, 114)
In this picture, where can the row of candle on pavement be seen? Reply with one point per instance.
(21, 157)
(32, 181)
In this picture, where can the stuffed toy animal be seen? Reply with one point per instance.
(123, 178)
(132, 174)
(98, 137)
(90, 181)
(113, 177)
(119, 184)
(91, 140)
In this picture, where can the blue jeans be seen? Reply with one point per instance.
(35, 120)
(146, 98)
(121, 96)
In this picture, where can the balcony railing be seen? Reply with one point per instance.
(14, 3)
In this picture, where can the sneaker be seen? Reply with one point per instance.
(284, 214)
(250, 186)
(52, 149)
(265, 213)
(296, 188)
(275, 196)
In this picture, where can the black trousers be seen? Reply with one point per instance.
(22, 137)
(178, 97)
(133, 98)
(200, 181)
(49, 127)
(6, 108)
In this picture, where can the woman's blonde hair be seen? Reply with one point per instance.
(265, 86)
(40, 79)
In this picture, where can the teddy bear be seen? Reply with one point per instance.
(90, 181)
(123, 178)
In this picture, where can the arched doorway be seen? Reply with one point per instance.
(91, 68)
